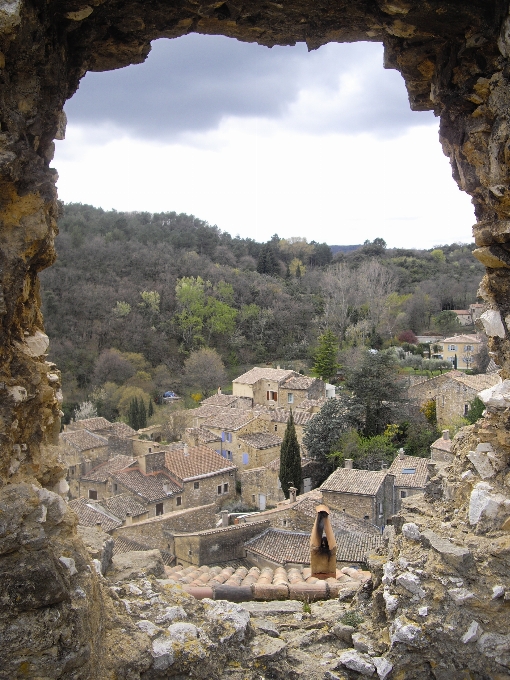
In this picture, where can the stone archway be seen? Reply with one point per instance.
(454, 57)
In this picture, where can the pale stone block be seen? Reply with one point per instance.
(492, 324)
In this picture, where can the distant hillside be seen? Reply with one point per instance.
(344, 249)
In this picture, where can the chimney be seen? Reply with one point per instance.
(166, 488)
(348, 463)
(185, 451)
(292, 494)
(196, 440)
(128, 520)
(219, 390)
(401, 454)
(224, 518)
(141, 464)
(98, 525)
(278, 366)
(446, 434)
(384, 466)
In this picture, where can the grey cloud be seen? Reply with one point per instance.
(191, 83)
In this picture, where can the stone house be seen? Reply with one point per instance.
(410, 475)
(364, 494)
(90, 424)
(259, 448)
(195, 436)
(275, 420)
(464, 316)
(453, 392)
(262, 385)
(81, 450)
(464, 347)
(110, 513)
(299, 388)
(261, 486)
(440, 450)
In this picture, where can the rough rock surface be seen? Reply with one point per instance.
(56, 618)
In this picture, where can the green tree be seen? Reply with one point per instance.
(290, 458)
(325, 364)
(476, 409)
(377, 389)
(150, 411)
(447, 321)
(133, 414)
(142, 415)
(367, 452)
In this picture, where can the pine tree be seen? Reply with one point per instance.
(150, 412)
(290, 458)
(142, 415)
(325, 364)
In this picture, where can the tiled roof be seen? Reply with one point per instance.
(92, 424)
(82, 440)
(222, 400)
(256, 374)
(204, 435)
(479, 382)
(274, 464)
(90, 513)
(124, 545)
(152, 487)
(200, 461)
(461, 311)
(442, 444)
(283, 547)
(121, 430)
(414, 480)
(311, 403)
(102, 472)
(122, 504)
(280, 415)
(204, 411)
(492, 367)
(298, 382)
(230, 418)
(341, 522)
(262, 440)
(456, 339)
(345, 480)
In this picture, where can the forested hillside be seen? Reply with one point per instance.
(162, 285)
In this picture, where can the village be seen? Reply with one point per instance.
(215, 496)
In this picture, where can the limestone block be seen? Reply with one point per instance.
(265, 648)
(482, 464)
(343, 632)
(411, 531)
(265, 626)
(137, 563)
(35, 345)
(492, 324)
(70, 564)
(497, 592)
(388, 573)
(382, 666)
(362, 644)
(484, 503)
(404, 631)
(460, 595)
(163, 653)
(457, 557)
(99, 545)
(357, 662)
(148, 627)
(497, 397)
(172, 614)
(473, 633)
(495, 646)
(423, 611)
(411, 582)
(391, 601)
(232, 617)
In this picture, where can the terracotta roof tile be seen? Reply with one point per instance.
(412, 480)
(282, 416)
(256, 374)
(121, 430)
(152, 487)
(222, 400)
(442, 444)
(312, 403)
(123, 503)
(204, 435)
(298, 382)
(90, 513)
(200, 461)
(91, 424)
(102, 472)
(230, 418)
(479, 382)
(364, 482)
(472, 339)
(262, 440)
(83, 440)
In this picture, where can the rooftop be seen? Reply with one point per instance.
(204, 435)
(280, 415)
(311, 403)
(298, 382)
(410, 471)
(152, 488)
(222, 400)
(341, 522)
(102, 472)
(442, 444)
(262, 440)
(83, 440)
(230, 418)
(456, 339)
(121, 430)
(124, 545)
(123, 503)
(200, 461)
(91, 424)
(90, 514)
(256, 374)
(346, 480)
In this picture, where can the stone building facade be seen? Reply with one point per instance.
(410, 475)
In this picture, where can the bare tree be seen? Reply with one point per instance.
(204, 369)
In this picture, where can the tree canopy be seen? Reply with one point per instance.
(290, 458)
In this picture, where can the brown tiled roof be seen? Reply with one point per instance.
(92, 424)
(230, 418)
(363, 482)
(442, 444)
(204, 435)
(83, 440)
(204, 411)
(222, 400)
(256, 374)
(283, 547)
(262, 440)
(200, 461)
(149, 487)
(471, 339)
(479, 382)
(121, 430)
(298, 382)
(414, 480)
(281, 415)
(90, 513)
(311, 403)
(124, 545)
(102, 472)
(122, 504)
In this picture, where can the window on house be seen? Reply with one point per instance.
(403, 494)
(219, 489)
(290, 398)
(150, 449)
(245, 459)
(72, 470)
(284, 522)
(380, 508)
(225, 488)
(83, 468)
(229, 437)
(93, 494)
(190, 552)
(229, 455)
(468, 348)
(253, 498)
(178, 500)
(366, 517)
(196, 485)
(276, 428)
(115, 488)
(452, 348)
(466, 409)
(159, 509)
(272, 396)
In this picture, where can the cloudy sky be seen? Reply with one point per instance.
(261, 141)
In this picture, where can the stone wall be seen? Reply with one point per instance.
(260, 480)
(376, 509)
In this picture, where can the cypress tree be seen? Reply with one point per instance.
(290, 458)
(133, 414)
(150, 412)
(142, 414)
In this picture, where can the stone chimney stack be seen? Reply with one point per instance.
(141, 464)
(224, 518)
(446, 434)
(186, 450)
(348, 462)
(292, 494)
(401, 454)
(128, 520)
(219, 390)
